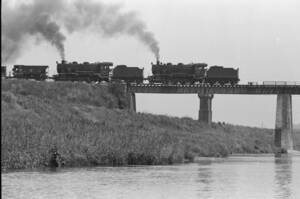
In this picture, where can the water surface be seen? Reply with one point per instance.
(234, 177)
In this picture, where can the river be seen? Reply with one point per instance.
(237, 177)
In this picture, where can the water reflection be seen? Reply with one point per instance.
(283, 176)
(213, 179)
(205, 182)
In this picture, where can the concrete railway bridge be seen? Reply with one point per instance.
(284, 121)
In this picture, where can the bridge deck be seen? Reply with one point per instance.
(206, 89)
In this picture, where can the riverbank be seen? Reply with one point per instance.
(85, 126)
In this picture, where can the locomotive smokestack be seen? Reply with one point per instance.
(157, 61)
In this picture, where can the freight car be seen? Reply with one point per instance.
(180, 73)
(3, 71)
(89, 72)
(128, 74)
(37, 72)
(221, 75)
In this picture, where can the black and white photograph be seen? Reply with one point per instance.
(150, 99)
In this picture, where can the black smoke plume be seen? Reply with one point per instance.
(46, 19)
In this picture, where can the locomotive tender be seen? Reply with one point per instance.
(221, 75)
(3, 71)
(128, 74)
(37, 72)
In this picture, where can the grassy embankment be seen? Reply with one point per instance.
(86, 127)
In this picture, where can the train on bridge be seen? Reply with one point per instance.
(193, 73)
(162, 73)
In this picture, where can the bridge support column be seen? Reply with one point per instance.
(205, 111)
(284, 123)
(132, 102)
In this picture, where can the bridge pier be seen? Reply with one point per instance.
(284, 123)
(205, 110)
(132, 101)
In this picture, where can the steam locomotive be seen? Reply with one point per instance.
(161, 73)
(193, 73)
(180, 73)
(89, 72)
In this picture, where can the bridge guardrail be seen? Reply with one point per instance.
(265, 84)
(281, 83)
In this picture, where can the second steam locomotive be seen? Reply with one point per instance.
(193, 73)
(161, 73)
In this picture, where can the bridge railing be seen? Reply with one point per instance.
(250, 84)
(281, 83)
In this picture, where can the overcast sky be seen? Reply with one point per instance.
(260, 37)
